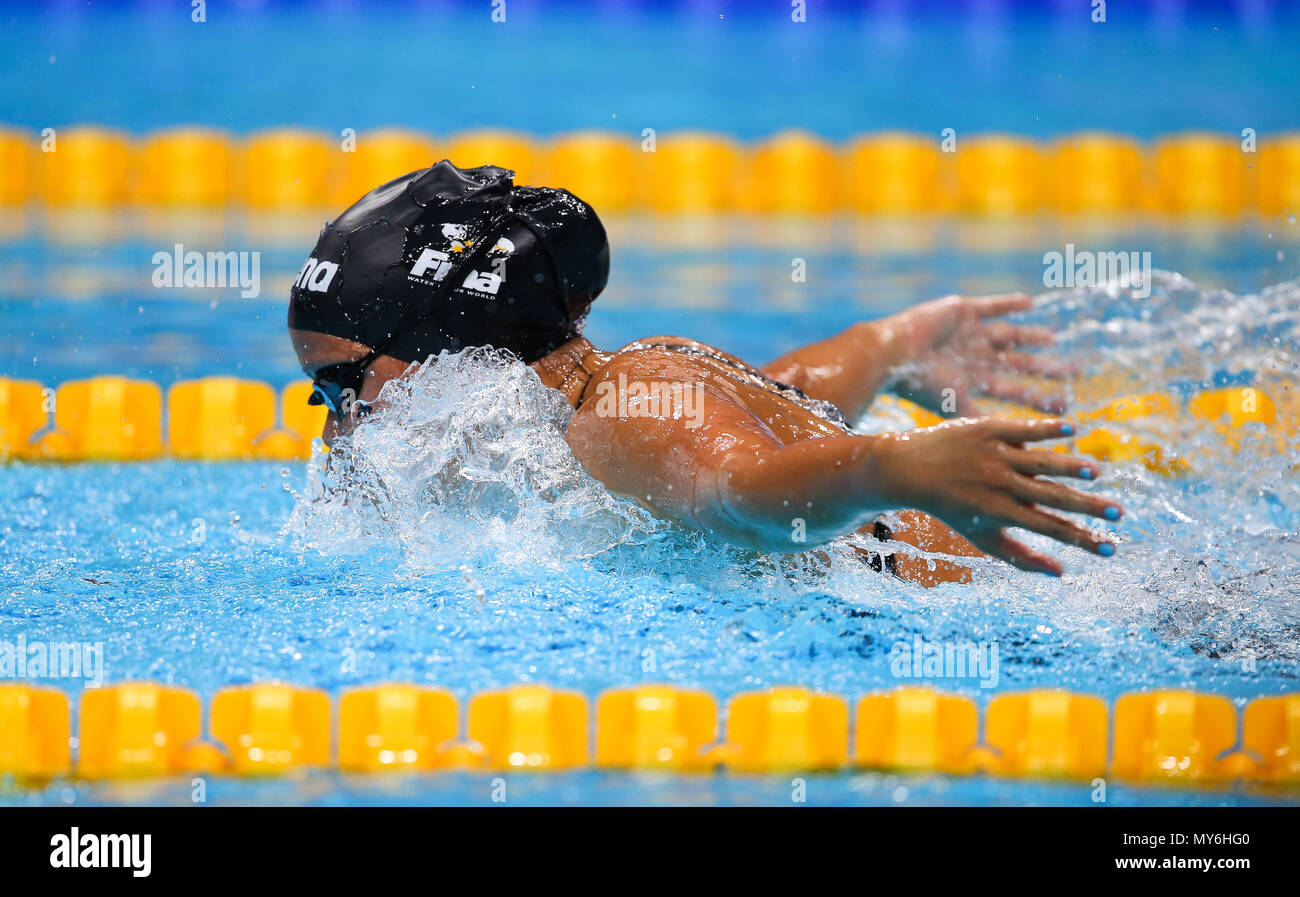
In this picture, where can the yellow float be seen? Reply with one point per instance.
(916, 728)
(692, 172)
(187, 167)
(396, 728)
(270, 729)
(136, 730)
(504, 148)
(530, 727)
(1097, 174)
(288, 169)
(377, 158)
(785, 729)
(999, 175)
(85, 167)
(1279, 175)
(1200, 174)
(655, 727)
(604, 169)
(794, 173)
(16, 157)
(893, 174)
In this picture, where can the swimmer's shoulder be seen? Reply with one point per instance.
(666, 358)
(651, 356)
(678, 346)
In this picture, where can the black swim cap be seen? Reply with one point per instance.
(447, 258)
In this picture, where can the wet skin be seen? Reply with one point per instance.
(759, 469)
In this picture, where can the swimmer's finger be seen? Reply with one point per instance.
(1001, 304)
(1001, 545)
(1039, 365)
(1018, 431)
(1036, 462)
(1056, 527)
(1058, 495)
(1002, 335)
(1011, 391)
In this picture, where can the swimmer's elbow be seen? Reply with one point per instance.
(728, 509)
(791, 498)
(760, 531)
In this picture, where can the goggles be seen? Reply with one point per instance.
(337, 386)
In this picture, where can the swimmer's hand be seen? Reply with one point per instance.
(977, 477)
(947, 351)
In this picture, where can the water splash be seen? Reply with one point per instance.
(1210, 557)
(466, 463)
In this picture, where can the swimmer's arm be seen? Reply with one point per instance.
(974, 475)
(789, 498)
(731, 476)
(725, 472)
(847, 369)
(951, 348)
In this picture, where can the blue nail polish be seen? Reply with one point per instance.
(1112, 512)
(1085, 473)
(1105, 549)
(1067, 429)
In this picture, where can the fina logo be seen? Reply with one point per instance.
(316, 276)
(433, 265)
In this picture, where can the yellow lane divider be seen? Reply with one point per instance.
(35, 729)
(397, 727)
(1271, 732)
(140, 729)
(105, 419)
(786, 729)
(918, 729)
(186, 167)
(272, 728)
(136, 730)
(530, 727)
(120, 419)
(24, 411)
(1046, 733)
(1172, 735)
(1190, 174)
(656, 727)
(225, 418)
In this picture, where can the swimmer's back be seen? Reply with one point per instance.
(782, 409)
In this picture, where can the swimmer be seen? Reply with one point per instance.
(449, 258)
